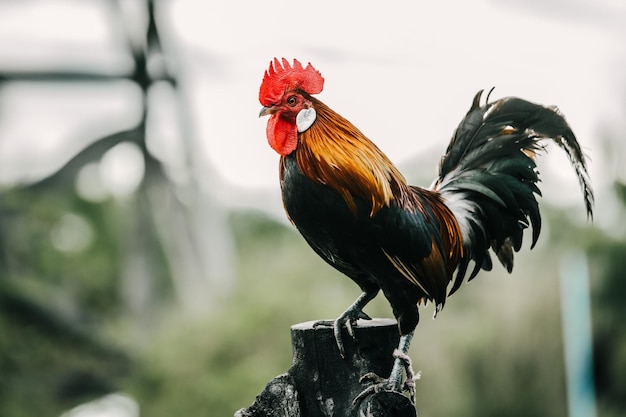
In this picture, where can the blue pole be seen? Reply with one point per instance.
(577, 335)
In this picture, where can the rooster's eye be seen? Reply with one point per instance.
(292, 101)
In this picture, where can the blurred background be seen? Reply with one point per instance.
(147, 269)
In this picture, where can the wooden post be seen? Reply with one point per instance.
(320, 383)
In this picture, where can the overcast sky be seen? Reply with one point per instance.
(403, 72)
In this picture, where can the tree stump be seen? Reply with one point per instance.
(320, 383)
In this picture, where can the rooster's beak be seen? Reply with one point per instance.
(267, 110)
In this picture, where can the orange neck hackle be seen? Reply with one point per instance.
(335, 153)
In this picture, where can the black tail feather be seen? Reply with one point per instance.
(547, 123)
(489, 179)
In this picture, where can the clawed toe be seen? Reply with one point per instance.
(371, 377)
(402, 365)
(379, 384)
(347, 319)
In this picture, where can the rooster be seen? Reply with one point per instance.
(358, 213)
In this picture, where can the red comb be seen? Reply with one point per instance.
(279, 77)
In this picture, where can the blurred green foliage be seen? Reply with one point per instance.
(609, 317)
(68, 335)
(50, 302)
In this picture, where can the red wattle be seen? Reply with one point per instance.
(282, 134)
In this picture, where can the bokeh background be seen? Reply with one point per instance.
(146, 267)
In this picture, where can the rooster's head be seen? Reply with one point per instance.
(285, 95)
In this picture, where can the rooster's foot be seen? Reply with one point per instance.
(347, 318)
(394, 382)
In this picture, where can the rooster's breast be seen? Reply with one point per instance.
(318, 211)
(324, 220)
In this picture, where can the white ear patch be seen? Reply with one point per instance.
(305, 119)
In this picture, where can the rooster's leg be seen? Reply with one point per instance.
(401, 363)
(349, 318)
